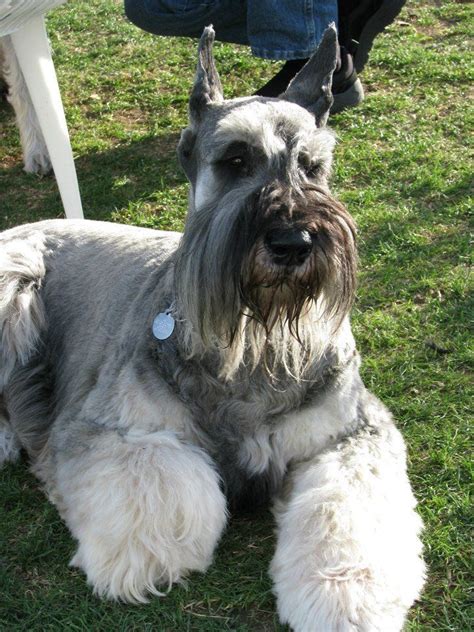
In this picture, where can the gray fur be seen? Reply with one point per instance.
(207, 87)
(260, 376)
(99, 325)
(311, 88)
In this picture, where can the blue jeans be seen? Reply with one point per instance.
(274, 29)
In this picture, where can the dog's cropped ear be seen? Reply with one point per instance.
(207, 85)
(311, 87)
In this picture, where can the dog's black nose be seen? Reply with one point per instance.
(289, 247)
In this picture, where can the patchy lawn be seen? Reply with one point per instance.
(403, 168)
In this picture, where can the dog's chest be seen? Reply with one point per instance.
(240, 424)
(240, 420)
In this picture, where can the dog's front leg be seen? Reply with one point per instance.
(348, 551)
(145, 507)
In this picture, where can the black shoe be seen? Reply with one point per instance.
(347, 89)
(346, 86)
(360, 22)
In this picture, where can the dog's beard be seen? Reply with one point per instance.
(235, 297)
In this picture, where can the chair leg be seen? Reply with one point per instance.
(32, 50)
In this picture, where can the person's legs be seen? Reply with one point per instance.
(275, 29)
(360, 23)
(292, 30)
(189, 17)
(288, 29)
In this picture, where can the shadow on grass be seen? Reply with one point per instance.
(128, 173)
(108, 181)
(36, 547)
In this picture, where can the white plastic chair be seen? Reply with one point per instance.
(23, 21)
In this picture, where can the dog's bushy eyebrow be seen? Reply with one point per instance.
(245, 125)
(318, 145)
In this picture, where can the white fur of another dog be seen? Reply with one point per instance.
(35, 152)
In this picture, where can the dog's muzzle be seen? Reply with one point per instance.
(289, 247)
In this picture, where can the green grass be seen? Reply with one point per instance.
(403, 167)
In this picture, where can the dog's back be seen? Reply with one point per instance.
(57, 277)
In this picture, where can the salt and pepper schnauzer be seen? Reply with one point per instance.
(156, 379)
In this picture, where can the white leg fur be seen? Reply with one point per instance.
(348, 552)
(145, 508)
(35, 152)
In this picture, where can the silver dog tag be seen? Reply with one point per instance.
(163, 326)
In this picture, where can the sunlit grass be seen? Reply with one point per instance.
(403, 169)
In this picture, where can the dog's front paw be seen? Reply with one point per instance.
(38, 162)
(146, 511)
(348, 602)
(348, 556)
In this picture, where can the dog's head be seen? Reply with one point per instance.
(265, 243)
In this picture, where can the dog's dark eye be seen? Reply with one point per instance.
(237, 165)
(236, 161)
(236, 158)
